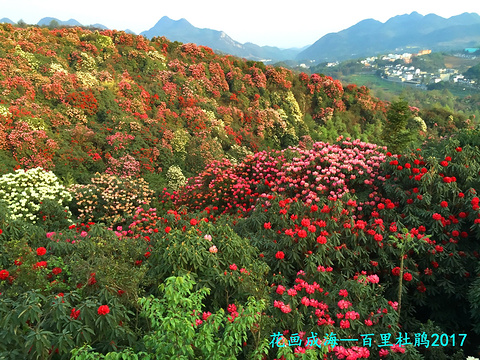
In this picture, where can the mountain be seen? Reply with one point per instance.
(369, 37)
(47, 20)
(182, 31)
(72, 22)
(7, 21)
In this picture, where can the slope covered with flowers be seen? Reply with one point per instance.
(79, 101)
(168, 202)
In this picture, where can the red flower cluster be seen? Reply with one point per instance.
(74, 314)
(103, 310)
(4, 274)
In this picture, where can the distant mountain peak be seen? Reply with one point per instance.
(7, 21)
(71, 22)
(183, 31)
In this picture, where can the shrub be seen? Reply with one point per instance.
(23, 191)
(110, 199)
(175, 177)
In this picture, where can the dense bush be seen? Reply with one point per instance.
(110, 199)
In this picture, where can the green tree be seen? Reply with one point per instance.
(396, 133)
(53, 24)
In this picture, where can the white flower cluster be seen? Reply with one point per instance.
(179, 141)
(87, 79)
(292, 108)
(87, 64)
(103, 41)
(4, 111)
(155, 55)
(56, 67)
(35, 123)
(175, 177)
(23, 191)
(32, 61)
(420, 123)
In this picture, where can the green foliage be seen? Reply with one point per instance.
(175, 334)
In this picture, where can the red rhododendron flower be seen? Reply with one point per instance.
(231, 308)
(4, 274)
(437, 216)
(279, 255)
(344, 324)
(74, 314)
(193, 222)
(444, 204)
(344, 304)
(396, 271)
(103, 310)
(343, 293)
(407, 277)
(421, 287)
(41, 251)
(167, 229)
(56, 270)
(267, 225)
(459, 149)
(302, 234)
(92, 280)
(233, 267)
(40, 264)
(321, 239)
(305, 222)
(206, 315)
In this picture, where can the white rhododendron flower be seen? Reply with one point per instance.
(23, 191)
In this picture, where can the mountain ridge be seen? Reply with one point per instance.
(183, 31)
(369, 37)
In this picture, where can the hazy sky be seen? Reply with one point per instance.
(264, 22)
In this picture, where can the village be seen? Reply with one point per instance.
(401, 70)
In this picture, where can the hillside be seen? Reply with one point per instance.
(86, 95)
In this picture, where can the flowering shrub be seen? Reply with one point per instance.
(175, 177)
(23, 191)
(109, 198)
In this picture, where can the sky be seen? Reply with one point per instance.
(278, 23)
